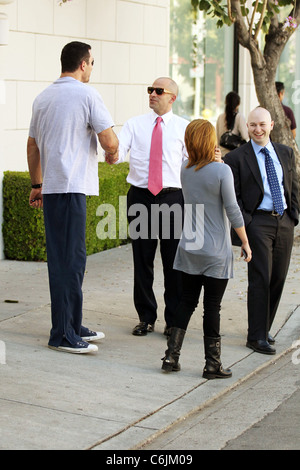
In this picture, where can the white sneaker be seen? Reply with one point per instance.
(93, 335)
(81, 347)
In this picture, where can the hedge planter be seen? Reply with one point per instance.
(23, 227)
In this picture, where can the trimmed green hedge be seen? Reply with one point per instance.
(23, 227)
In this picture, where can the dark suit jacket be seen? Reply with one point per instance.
(248, 182)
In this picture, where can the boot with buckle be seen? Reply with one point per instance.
(213, 368)
(175, 340)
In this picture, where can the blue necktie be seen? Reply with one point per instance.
(273, 182)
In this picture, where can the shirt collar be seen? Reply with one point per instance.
(257, 148)
(165, 117)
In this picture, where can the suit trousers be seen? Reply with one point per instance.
(65, 221)
(152, 219)
(271, 241)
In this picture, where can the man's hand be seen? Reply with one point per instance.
(36, 199)
(35, 171)
(111, 158)
(110, 144)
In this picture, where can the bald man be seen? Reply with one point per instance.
(270, 231)
(150, 213)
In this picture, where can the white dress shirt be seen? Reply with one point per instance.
(135, 137)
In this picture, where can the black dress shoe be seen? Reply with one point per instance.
(271, 340)
(261, 346)
(143, 328)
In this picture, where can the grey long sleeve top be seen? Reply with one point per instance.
(210, 208)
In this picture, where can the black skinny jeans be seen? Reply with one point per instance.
(214, 290)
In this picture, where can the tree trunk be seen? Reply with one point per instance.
(264, 66)
(268, 98)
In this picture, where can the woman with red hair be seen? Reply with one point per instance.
(204, 253)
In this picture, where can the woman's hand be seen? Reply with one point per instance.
(245, 249)
(246, 252)
(218, 155)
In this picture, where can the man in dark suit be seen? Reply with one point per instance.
(270, 228)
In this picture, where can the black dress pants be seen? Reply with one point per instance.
(152, 218)
(65, 221)
(271, 241)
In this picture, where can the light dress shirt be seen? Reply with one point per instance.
(267, 202)
(135, 137)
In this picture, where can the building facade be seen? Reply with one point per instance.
(130, 42)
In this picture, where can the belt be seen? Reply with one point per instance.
(273, 213)
(168, 190)
(163, 191)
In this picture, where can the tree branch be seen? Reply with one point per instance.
(252, 17)
(261, 19)
(277, 38)
(246, 39)
(274, 19)
(295, 12)
(229, 11)
(242, 30)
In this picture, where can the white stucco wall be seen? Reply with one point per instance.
(246, 83)
(130, 42)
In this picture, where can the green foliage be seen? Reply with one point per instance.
(219, 9)
(23, 227)
(215, 8)
(112, 185)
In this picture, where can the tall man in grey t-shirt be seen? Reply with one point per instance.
(67, 118)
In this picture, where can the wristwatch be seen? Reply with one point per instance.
(36, 186)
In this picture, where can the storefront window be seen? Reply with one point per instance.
(201, 61)
(289, 73)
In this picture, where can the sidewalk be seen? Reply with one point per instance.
(118, 398)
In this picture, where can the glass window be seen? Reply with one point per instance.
(201, 61)
(288, 72)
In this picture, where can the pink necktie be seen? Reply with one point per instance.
(155, 184)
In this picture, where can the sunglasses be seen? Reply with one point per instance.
(92, 63)
(158, 91)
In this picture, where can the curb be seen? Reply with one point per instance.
(146, 429)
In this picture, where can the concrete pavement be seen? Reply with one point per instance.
(261, 413)
(117, 398)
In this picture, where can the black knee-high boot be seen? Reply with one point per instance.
(175, 340)
(213, 368)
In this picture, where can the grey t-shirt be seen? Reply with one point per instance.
(210, 203)
(66, 118)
